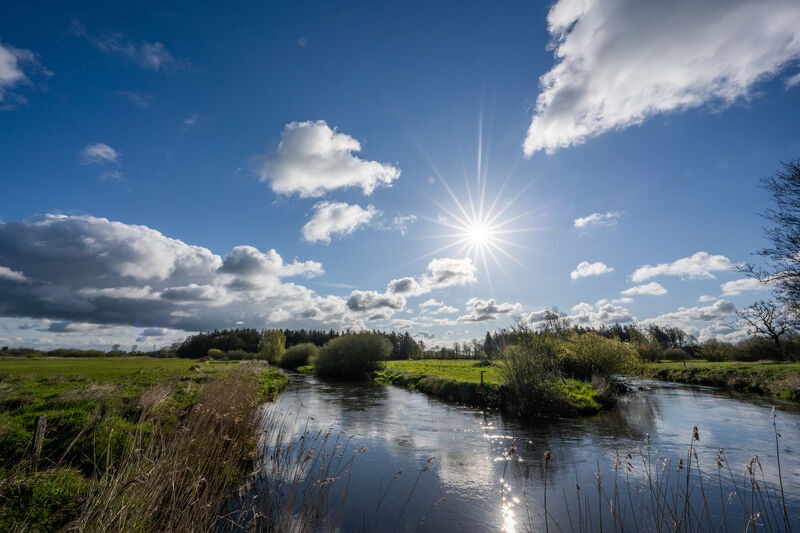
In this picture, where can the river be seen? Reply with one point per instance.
(367, 457)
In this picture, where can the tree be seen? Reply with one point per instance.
(766, 318)
(272, 345)
(783, 257)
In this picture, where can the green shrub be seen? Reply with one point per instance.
(353, 356)
(717, 351)
(299, 355)
(529, 372)
(587, 354)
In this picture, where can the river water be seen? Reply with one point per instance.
(367, 457)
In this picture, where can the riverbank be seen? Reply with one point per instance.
(769, 378)
(124, 442)
(473, 383)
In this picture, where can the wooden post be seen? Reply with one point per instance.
(482, 371)
(38, 440)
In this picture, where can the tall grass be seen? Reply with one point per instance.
(176, 479)
(652, 493)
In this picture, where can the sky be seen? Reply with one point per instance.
(442, 168)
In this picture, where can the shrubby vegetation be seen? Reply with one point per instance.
(353, 356)
(299, 355)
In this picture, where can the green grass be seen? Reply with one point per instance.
(458, 370)
(777, 379)
(459, 380)
(95, 409)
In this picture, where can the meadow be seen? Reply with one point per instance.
(116, 432)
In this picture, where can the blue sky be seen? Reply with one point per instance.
(436, 167)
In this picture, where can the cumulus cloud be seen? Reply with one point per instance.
(360, 301)
(312, 159)
(598, 219)
(585, 269)
(407, 285)
(442, 273)
(447, 272)
(619, 62)
(146, 55)
(602, 312)
(653, 289)
(91, 270)
(336, 218)
(720, 310)
(99, 154)
(699, 265)
(738, 286)
(482, 310)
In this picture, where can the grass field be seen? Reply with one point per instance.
(458, 370)
(98, 412)
(778, 379)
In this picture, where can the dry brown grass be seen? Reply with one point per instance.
(176, 479)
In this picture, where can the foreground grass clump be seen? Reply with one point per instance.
(110, 424)
(353, 356)
(777, 379)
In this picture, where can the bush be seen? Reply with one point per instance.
(353, 356)
(529, 371)
(717, 351)
(587, 354)
(299, 355)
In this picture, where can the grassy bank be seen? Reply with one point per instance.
(460, 381)
(129, 443)
(776, 379)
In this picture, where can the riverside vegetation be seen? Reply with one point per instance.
(130, 443)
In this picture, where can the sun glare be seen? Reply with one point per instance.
(479, 225)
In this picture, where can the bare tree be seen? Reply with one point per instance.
(783, 257)
(766, 318)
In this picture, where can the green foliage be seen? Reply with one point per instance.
(353, 356)
(717, 351)
(272, 345)
(45, 501)
(227, 340)
(299, 355)
(529, 371)
(587, 354)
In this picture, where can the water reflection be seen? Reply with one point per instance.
(433, 466)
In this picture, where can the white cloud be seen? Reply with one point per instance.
(402, 222)
(430, 303)
(99, 154)
(653, 289)
(602, 312)
(336, 218)
(720, 310)
(11, 73)
(447, 272)
(598, 219)
(10, 275)
(313, 159)
(619, 62)
(699, 265)
(585, 269)
(705, 298)
(738, 286)
(91, 270)
(360, 301)
(445, 310)
(482, 310)
(147, 55)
